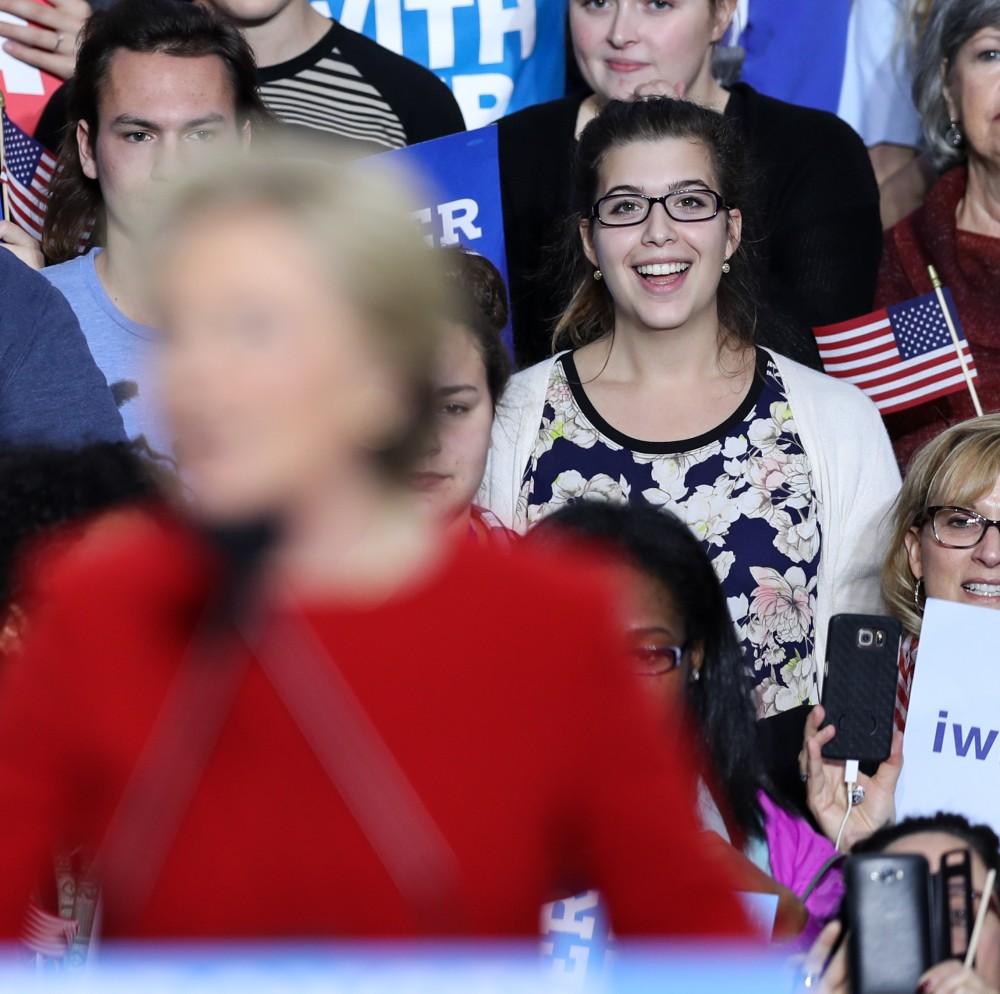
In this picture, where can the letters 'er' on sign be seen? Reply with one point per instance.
(460, 180)
(951, 749)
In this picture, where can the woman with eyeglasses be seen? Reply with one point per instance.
(663, 397)
(818, 227)
(945, 533)
(945, 543)
(686, 654)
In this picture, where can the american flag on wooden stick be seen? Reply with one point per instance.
(28, 173)
(900, 356)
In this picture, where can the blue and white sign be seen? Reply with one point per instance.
(459, 176)
(406, 968)
(951, 746)
(840, 56)
(496, 55)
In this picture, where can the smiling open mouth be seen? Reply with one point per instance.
(663, 269)
(982, 589)
(662, 274)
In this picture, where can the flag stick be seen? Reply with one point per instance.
(4, 179)
(970, 955)
(936, 281)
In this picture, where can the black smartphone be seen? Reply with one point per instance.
(888, 908)
(859, 692)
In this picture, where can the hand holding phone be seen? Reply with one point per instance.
(859, 692)
(888, 906)
(825, 791)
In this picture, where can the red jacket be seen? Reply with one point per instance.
(969, 265)
(496, 684)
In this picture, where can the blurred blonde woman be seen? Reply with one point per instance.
(296, 708)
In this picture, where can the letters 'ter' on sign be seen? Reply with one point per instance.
(951, 748)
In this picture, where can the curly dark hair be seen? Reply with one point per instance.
(981, 839)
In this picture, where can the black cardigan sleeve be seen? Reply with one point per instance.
(819, 231)
(536, 153)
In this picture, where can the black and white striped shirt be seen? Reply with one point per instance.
(351, 88)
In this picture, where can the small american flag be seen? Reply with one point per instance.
(900, 356)
(27, 177)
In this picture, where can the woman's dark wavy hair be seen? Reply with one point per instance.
(173, 27)
(661, 546)
(981, 839)
(590, 313)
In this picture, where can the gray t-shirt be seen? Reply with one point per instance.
(122, 348)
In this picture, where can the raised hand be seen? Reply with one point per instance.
(951, 977)
(659, 88)
(21, 244)
(49, 40)
(821, 974)
(826, 792)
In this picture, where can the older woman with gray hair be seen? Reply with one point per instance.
(957, 230)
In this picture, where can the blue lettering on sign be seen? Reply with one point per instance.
(496, 55)
(963, 740)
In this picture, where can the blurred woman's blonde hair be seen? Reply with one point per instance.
(357, 217)
(957, 467)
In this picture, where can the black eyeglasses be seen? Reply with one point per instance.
(617, 210)
(657, 660)
(958, 527)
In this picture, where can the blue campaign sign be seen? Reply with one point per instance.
(496, 55)
(406, 968)
(459, 176)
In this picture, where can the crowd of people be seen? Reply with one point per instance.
(316, 598)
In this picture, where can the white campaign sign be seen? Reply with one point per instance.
(951, 749)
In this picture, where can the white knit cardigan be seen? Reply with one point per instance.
(854, 474)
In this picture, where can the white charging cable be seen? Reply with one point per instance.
(850, 779)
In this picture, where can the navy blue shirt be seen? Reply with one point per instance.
(51, 391)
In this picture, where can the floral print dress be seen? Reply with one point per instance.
(745, 489)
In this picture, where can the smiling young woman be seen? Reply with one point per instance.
(665, 398)
(818, 230)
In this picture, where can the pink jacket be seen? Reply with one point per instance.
(798, 853)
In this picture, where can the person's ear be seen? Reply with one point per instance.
(734, 232)
(696, 657)
(914, 553)
(587, 239)
(722, 18)
(85, 150)
(954, 112)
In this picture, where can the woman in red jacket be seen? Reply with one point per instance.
(957, 230)
(295, 710)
